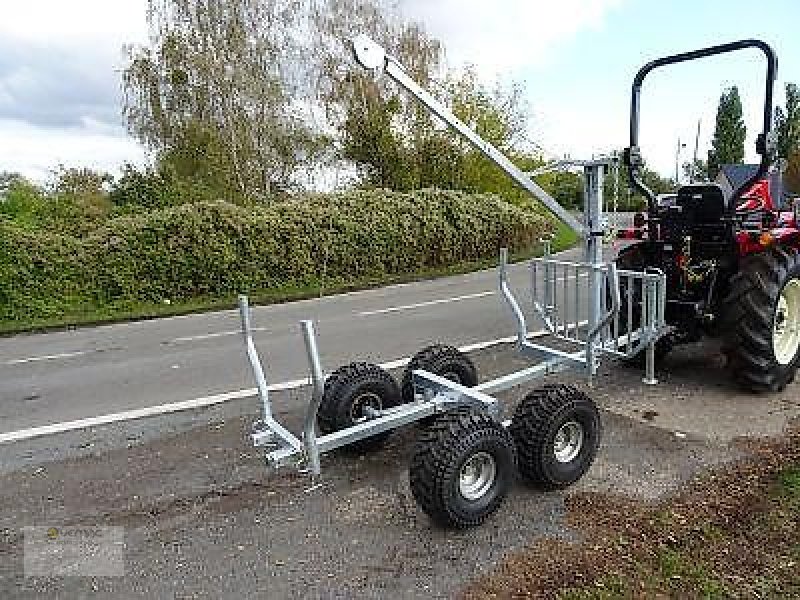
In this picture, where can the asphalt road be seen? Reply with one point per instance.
(65, 376)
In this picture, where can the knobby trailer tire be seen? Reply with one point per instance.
(439, 359)
(557, 433)
(348, 391)
(449, 476)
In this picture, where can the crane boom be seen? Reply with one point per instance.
(372, 56)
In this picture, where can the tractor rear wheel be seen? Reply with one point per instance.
(761, 321)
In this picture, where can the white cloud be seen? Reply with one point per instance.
(517, 38)
(673, 100)
(119, 21)
(520, 39)
(504, 37)
(37, 151)
(60, 99)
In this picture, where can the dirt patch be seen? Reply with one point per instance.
(733, 533)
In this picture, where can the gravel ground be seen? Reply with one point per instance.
(202, 517)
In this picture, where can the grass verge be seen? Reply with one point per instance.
(564, 238)
(733, 534)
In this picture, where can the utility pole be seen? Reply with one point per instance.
(678, 161)
(692, 171)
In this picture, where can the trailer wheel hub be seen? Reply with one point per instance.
(786, 328)
(477, 476)
(568, 442)
(364, 405)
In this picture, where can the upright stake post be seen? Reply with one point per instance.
(318, 383)
(595, 229)
(252, 355)
(652, 330)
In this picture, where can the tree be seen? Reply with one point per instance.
(399, 153)
(656, 183)
(229, 95)
(567, 188)
(212, 92)
(8, 180)
(370, 141)
(390, 137)
(381, 129)
(787, 123)
(242, 94)
(499, 114)
(791, 177)
(787, 129)
(727, 146)
(338, 86)
(20, 199)
(81, 182)
(696, 170)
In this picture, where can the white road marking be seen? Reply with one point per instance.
(24, 434)
(63, 355)
(32, 359)
(568, 277)
(163, 409)
(209, 336)
(393, 309)
(206, 336)
(383, 311)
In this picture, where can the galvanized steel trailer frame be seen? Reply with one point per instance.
(600, 332)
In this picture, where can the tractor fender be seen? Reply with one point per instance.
(780, 237)
(787, 237)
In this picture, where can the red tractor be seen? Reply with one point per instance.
(732, 260)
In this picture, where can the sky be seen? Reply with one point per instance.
(60, 93)
(60, 64)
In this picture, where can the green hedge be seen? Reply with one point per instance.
(218, 250)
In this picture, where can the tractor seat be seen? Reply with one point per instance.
(705, 202)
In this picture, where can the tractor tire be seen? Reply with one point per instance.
(348, 391)
(761, 321)
(557, 432)
(439, 359)
(462, 468)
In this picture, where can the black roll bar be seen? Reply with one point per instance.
(632, 157)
